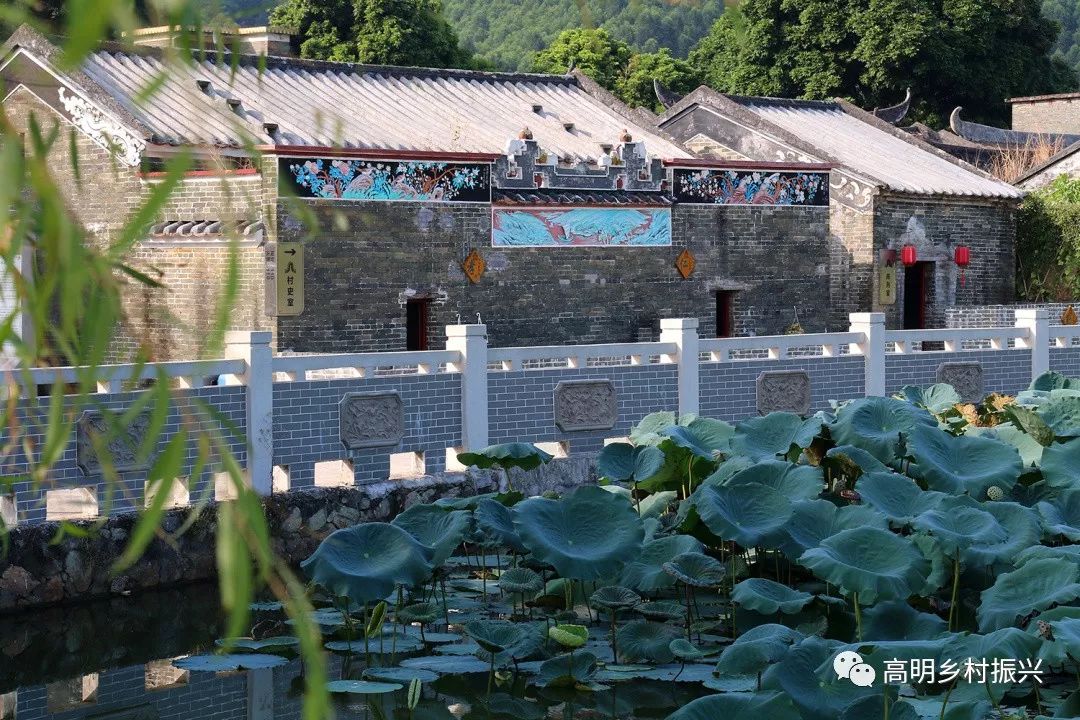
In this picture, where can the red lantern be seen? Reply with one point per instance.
(963, 258)
(908, 255)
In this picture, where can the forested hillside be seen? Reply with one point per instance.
(1067, 13)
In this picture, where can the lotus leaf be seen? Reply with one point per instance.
(858, 457)
(769, 597)
(436, 528)
(738, 706)
(1062, 414)
(567, 670)
(1052, 380)
(696, 569)
(647, 432)
(776, 435)
(814, 520)
(896, 620)
(751, 515)
(447, 664)
(365, 562)
(644, 641)
(505, 705)
(961, 464)
(1041, 552)
(586, 535)
(1022, 531)
(1061, 464)
(703, 437)
(521, 580)
(418, 613)
(362, 687)
(756, 649)
(1005, 644)
(229, 663)
(1068, 632)
(465, 503)
(569, 636)
(624, 462)
(508, 641)
(497, 522)
(646, 573)
(873, 708)
(685, 651)
(662, 610)
(506, 455)
(935, 398)
(1061, 516)
(1030, 450)
(283, 642)
(399, 674)
(875, 424)
(651, 506)
(1034, 586)
(956, 526)
(818, 695)
(874, 563)
(795, 482)
(614, 597)
(896, 496)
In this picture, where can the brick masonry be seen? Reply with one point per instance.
(1066, 361)
(1047, 116)
(1007, 371)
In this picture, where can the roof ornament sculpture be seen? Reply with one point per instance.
(894, 114)
(666, 97)
(989, 135)
(571, 66)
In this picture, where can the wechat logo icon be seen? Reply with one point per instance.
(850, 666)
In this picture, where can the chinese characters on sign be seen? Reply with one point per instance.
(928, 671)
(285, 279)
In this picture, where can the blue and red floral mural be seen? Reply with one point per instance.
(419, 181)
(754, 187)
(581, 227)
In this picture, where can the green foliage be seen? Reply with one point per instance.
(380, 32)
(963, 52)
(635, 86)
(593, 51)
(1048, 242)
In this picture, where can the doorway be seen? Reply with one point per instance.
(725, 313)
(417, 313)
(917, 280)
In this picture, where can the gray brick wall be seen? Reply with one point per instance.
(1066, 361)
(1007, 371)
(983, 316)
(306, 424)
(729, 390)
(521, 403)
(1047, 116)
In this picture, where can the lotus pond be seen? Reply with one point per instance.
(907, 557)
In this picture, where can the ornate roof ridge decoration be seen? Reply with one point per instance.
(894, 114)
(623, 165)
(666, 97)
(102, 129)
(990, 135)
(207, 229)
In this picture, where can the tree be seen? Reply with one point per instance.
(635, 86)
(951, 52)
(593, 51)
(382, 32)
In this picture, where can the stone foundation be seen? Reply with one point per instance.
(36, 572)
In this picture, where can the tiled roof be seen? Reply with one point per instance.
(871, 148)
(319, 104)
(578, 197)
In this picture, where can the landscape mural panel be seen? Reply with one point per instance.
(387, 180)
(581, 227)
(750, 187)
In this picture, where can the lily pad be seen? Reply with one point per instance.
(506, 455)
(1061, 465)
(402, 675)
(959, 464)
(776, 435)
(646, 573)
(569, 636)
(283, 642)
(1062, 414)
(1035, 586)
(497, 522)
(756, 649)
(897, 497)
(644, 641)
(438, 529)
(521, 580)
(696, 569)
(1061, 516)
(874, 563)
(686, 651)
(795, 482)
(814, 520)
(229, 663)
(751, 515)
(957, 526)
(1022, 530)
(936, 398)
(896, 620)
(662, 610)
(876, 424)
(567, 670)
(448, 664)
(769, 597)
(362, 687)
(738, 706)
(858, 457)
(615, 597)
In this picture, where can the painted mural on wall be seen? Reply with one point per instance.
(581, 227)
(387, 180)
(751, 187)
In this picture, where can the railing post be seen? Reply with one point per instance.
(684, 333)
(471, 342)
(872, 348)
(1037, 323)
(253, 347)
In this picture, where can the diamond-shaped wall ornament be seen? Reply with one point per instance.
(685, 263)
(1069, 316)
(474, 266)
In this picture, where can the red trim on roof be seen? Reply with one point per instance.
(1044, 98)
(745, 165)
(309, 150)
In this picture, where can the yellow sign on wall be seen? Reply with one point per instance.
(887, 285)
(285, 278)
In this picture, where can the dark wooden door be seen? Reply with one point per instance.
(916, 281)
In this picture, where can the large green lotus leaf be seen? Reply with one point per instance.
(1062, 414)
(757, 648)
(1022, 530)
(651, 506)
(778, 434)
(696, 569)
(818, 697)
(935, 398)
(727, 470)
(1068, 632)
(362, 687)
(624, 462)
(647, 432)
(751, 514)
(876, 423)
(896, 620)
(874, 563)
(704, 438)
(858, 457)
(959, 464)
(1052, 652)
(768, 597)
(513, 641)
(646, 572)
(873, 708)
(941, 563)
(567, 670)
(795, 482)
(229, 663)
(1042, 552)
(1030, 450)
(958, 526)
(1035, 586)
(587, 535)
(438, 529)
(896, 496)
(738, 706)
(615, 597)
(506, 455)
(814, 520)
(497, 522)
(448, 664)
(1061, 516)
(1061, 465)
(876, 653)
(1053, 380)
(644, 641)
(400, 675)
(1005, 644)
(366, 562)
(521, 580)
(269, 644)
